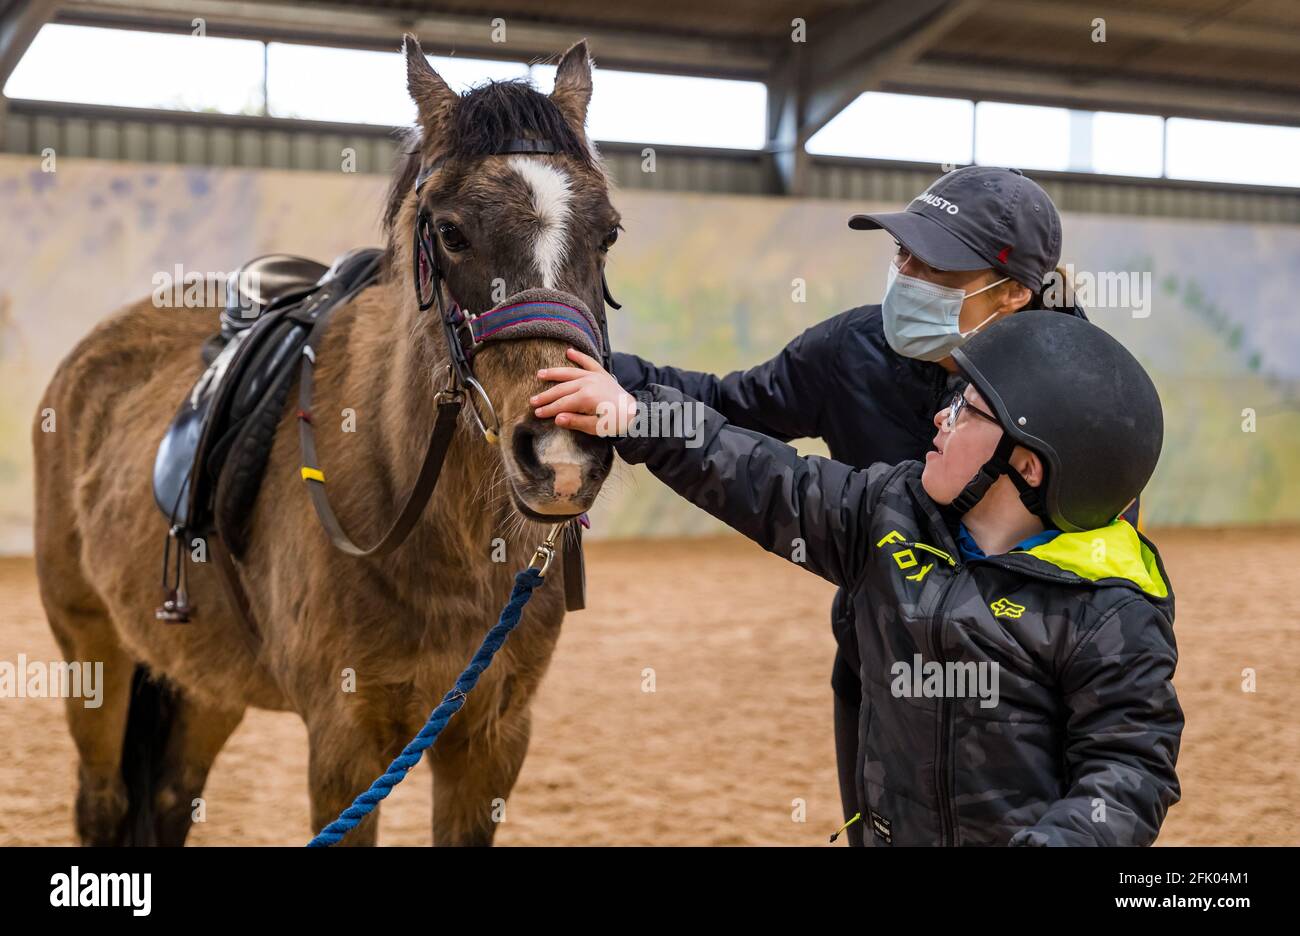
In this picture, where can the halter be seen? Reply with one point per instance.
(533, 313)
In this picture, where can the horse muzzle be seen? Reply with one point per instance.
(557, 472)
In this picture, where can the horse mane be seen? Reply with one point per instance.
(485, 121)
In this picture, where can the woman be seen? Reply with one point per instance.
(978, 245)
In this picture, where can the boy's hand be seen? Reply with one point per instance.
(585, 398)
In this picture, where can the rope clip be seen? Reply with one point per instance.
(546, 551)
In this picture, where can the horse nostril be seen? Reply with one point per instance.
(525, 450)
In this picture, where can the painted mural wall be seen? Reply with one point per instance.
(710, 282)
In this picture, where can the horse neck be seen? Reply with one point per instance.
(406, 353)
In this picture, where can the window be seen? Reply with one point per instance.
(641, 107)
(1217, 151)
(900, 126)
(1127, 144)
(1022, 136)
(140, 69)
(916, 128)
(130, 68)
(359, 86)
(170, 71)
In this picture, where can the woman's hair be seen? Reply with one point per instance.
(1056, 293)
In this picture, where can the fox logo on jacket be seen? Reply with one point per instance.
(1005, 607)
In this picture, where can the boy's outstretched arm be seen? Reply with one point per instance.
(1123, 729)
(811, 510)
(783, 397)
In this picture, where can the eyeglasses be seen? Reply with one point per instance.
(959, 403)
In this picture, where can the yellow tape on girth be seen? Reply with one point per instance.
(313, 474)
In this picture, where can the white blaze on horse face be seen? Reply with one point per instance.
(551, 196)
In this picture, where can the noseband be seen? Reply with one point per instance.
(532, 313)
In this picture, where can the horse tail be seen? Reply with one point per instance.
(149, 721)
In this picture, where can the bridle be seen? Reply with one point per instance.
(465, 333)
(532, 313)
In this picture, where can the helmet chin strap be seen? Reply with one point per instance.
(1000, 464)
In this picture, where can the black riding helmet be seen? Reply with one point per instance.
(1068, 391)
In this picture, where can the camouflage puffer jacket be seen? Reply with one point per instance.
(1022, 698)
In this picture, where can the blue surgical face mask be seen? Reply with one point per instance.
(923, 319)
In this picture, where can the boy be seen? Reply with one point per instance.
(1000, 562)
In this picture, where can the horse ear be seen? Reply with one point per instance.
(434, 100)
(572, 91)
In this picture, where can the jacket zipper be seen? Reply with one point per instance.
(946, 831)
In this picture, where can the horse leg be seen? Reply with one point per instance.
(342, 763)
(102, 800)
(196, 734)
(474, 770)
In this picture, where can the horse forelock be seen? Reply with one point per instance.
(485, 122)
(494, 114)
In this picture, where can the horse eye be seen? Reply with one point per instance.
(451, 236)
(609, 240)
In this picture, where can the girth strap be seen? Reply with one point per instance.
(234, 592)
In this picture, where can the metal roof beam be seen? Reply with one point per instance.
(19, 23)
(843, 57)
(1100, 91)
(1187, 28)
(866, 47)
(440, 34)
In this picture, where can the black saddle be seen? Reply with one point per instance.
(209, 467)
(273, 280)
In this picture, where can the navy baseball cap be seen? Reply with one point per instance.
(978, 217)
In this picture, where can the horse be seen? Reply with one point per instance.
(361, 648)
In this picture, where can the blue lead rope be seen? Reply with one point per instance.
(525, 581)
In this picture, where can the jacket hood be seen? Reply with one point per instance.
(1116, 551)
(1116, 554)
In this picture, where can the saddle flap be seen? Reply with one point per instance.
(175, 460)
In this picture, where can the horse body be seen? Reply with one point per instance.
(361, 648)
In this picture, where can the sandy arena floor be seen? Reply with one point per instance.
(740, 724)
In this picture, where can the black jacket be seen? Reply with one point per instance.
(1023, 698)
(839, 381)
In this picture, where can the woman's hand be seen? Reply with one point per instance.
(586, 398)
